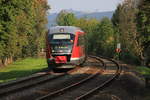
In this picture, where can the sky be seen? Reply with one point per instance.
(83, 5)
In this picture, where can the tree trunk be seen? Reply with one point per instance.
(1, 64)
(10, 60)
(5, 61)
(143, 60)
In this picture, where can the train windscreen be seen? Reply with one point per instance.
(61, 42)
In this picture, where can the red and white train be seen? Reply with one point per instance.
(65, 45)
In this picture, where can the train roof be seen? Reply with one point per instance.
(66, 29)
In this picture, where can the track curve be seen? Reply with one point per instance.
(90, 83)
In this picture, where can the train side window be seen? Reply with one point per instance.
(81, 40)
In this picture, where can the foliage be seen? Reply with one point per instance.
(143, 20)
(100, 33)
(105, 38)
(128, 21)
(22, 28)
(89, 26)
(66, 19)
(131, 28)
(143, 70)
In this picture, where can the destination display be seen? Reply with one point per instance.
(61, 36)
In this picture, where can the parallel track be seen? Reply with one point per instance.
(66, 88)
(63, 90)
(106, 83)
(20, 85)
(6, 89)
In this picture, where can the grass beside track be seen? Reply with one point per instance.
(21, 68)
(143, 70)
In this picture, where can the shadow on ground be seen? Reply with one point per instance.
(12, 75)
(127, 87)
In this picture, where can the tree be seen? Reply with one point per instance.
(100, 35)
(105, 38)
(66, 19)
(128, 20)
(38, 25)
(89, 27)
(21, 27)
(144, 28)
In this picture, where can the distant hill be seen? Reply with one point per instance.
(79, 14)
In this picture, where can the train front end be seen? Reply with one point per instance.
(61, 44)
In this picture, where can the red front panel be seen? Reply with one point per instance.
(60, 59)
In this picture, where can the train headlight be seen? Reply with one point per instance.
(60, 50)
(69, 51)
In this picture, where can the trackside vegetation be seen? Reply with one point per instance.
(22, 29)
(129, 26)
(22, 68)
(143, 70)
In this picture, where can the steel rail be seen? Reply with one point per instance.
(21, 80)
(35, 76)
(106, 83)
(6, 91)
(73, 85)
(66, 88)
(98, 58)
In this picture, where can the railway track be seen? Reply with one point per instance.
(105, 83)
(25, 83)
(31, 82)
(51, 95)
(76, 88)
(90, 85)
